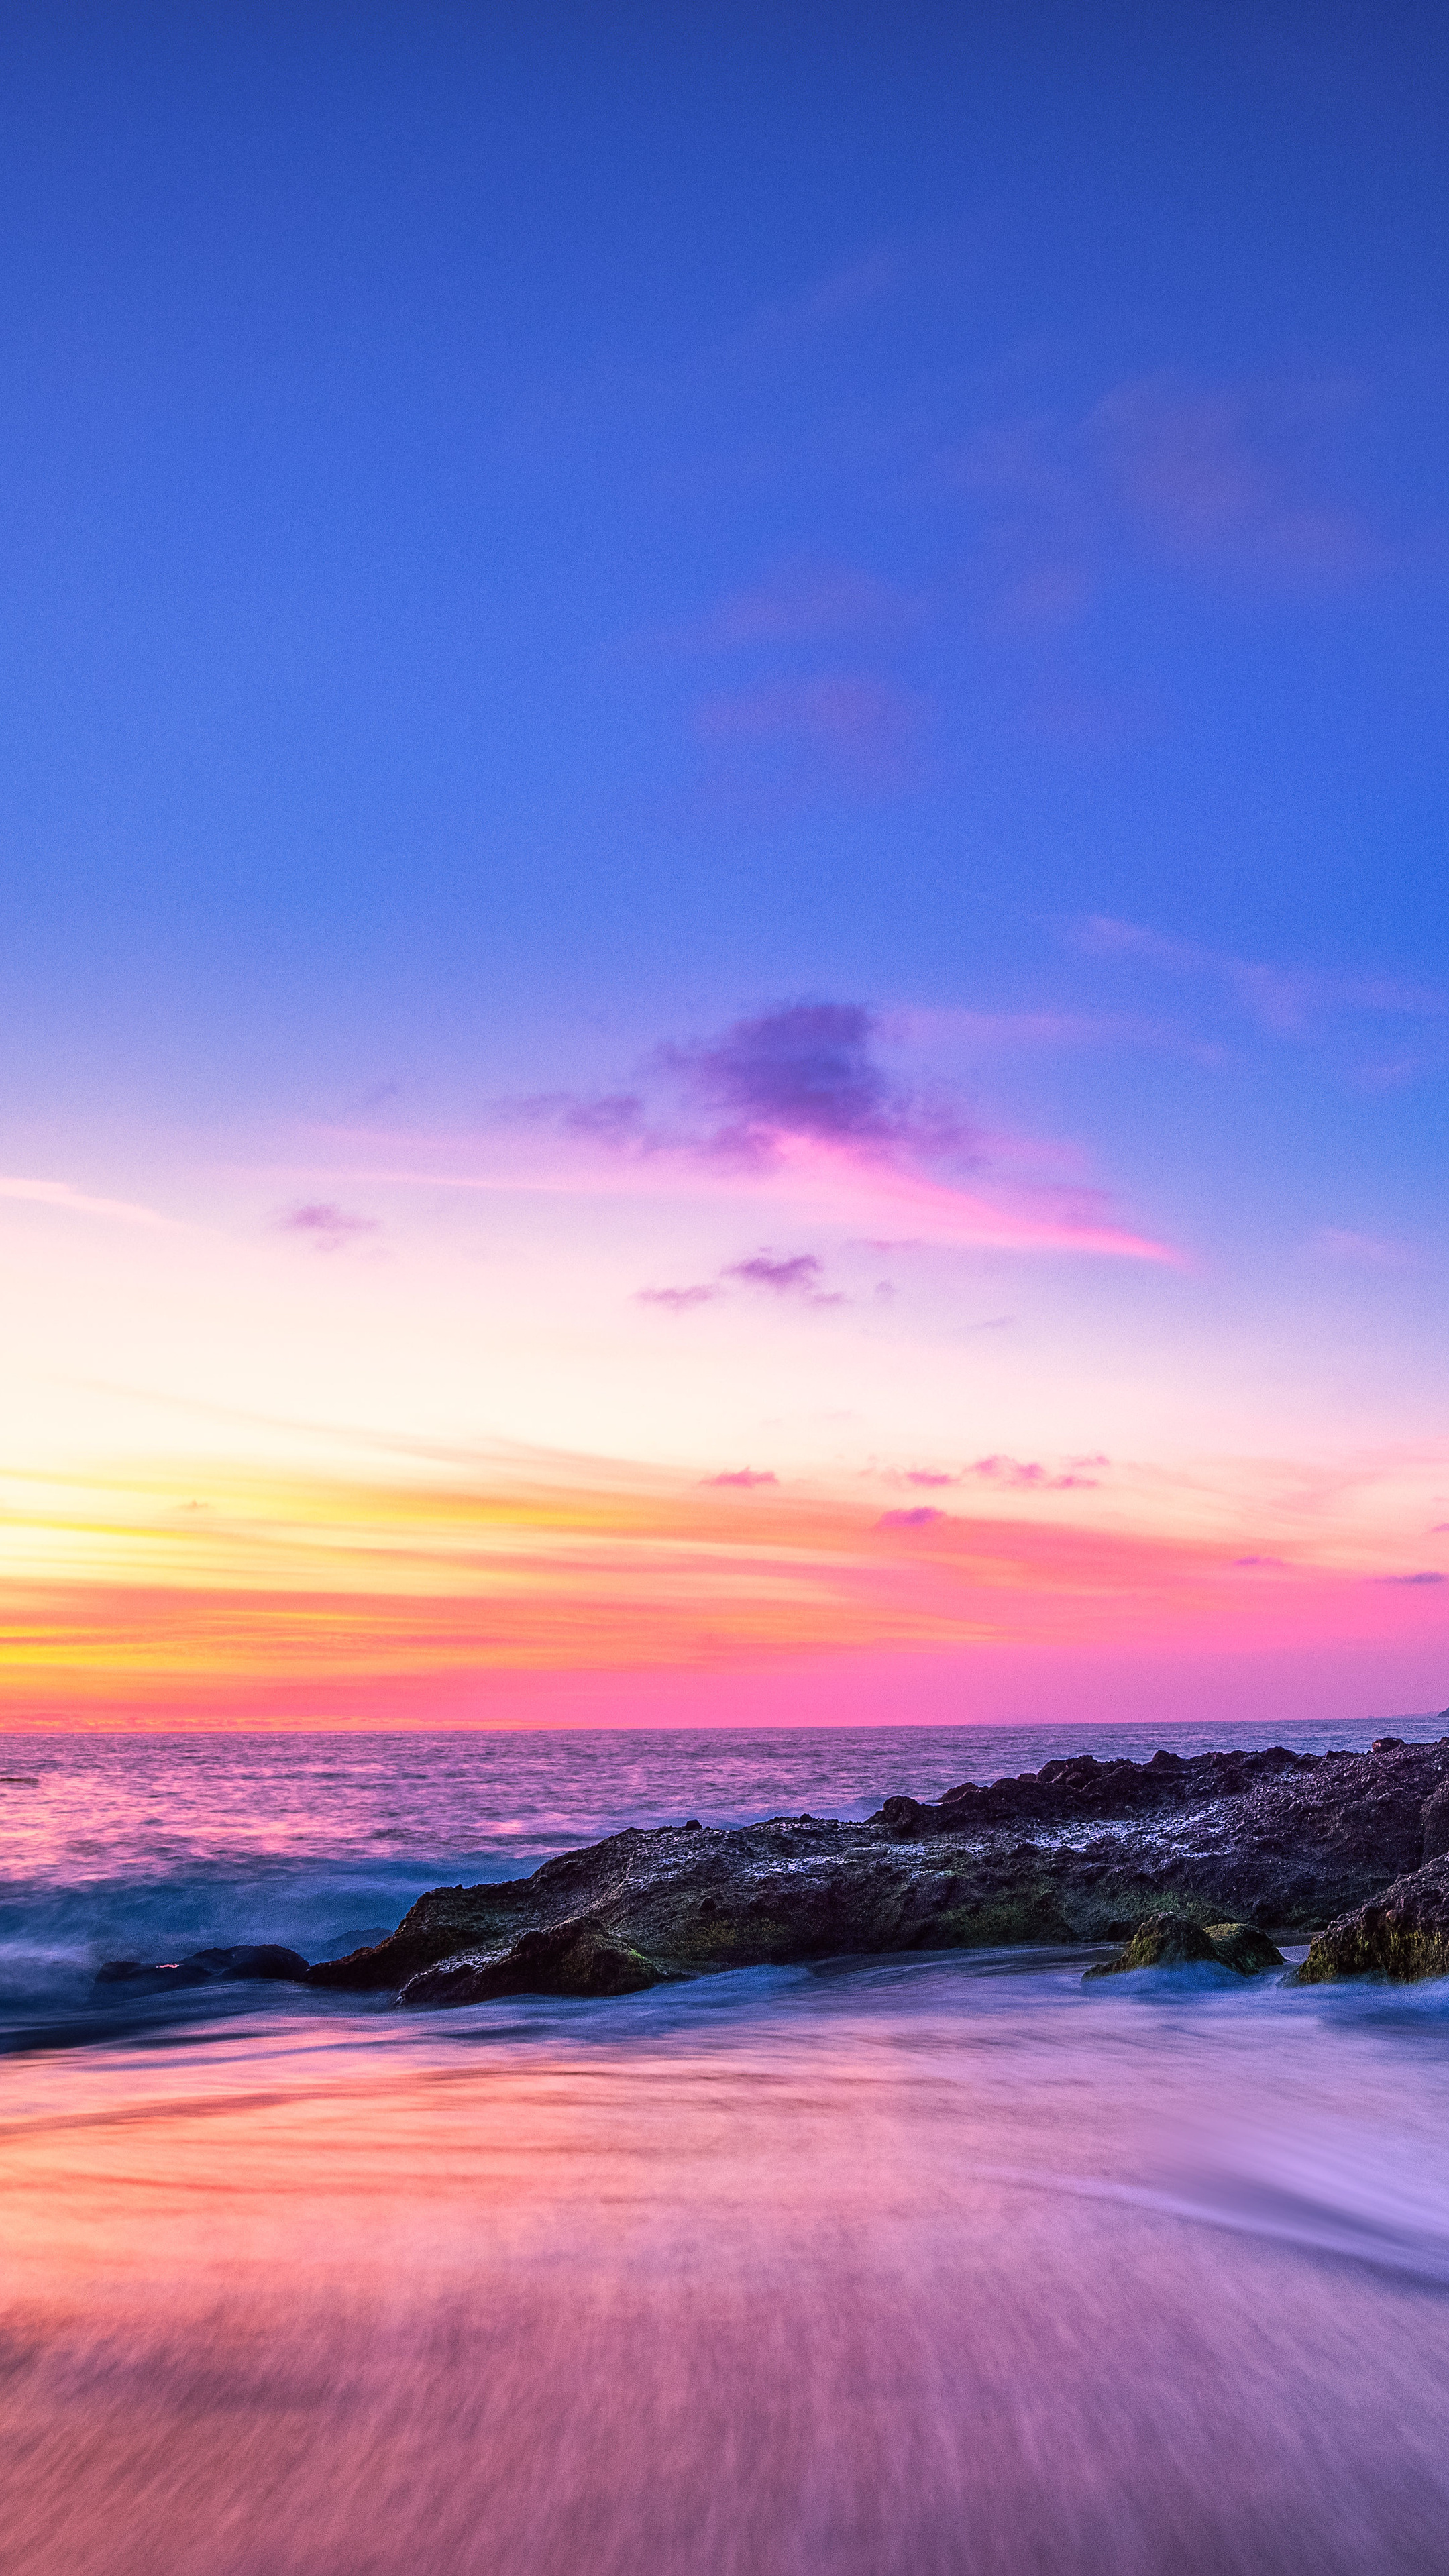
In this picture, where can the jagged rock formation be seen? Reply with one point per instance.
(1080, 1851)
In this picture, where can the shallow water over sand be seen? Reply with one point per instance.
(931, 2265)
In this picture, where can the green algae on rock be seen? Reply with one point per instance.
(1160, 1941)
(1242, 1947)
(1402, 1934)
(1173, 1941)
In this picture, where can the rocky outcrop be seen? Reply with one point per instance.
(1080, 1851)
(1401, 1933)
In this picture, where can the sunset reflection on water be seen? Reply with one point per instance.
(931, 2266)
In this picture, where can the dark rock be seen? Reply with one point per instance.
(1435, 1814)
(152, 1977)
(259, 1959)
(1161, 1941)
(1402, 1933)
(1079, 1851)
(569, 1959)
(1242, 1947)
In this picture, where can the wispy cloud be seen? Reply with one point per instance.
(1223, 477)
(678, 1301)
(73, 1202)
(919, 1516)
(745, 1477)
(1368, 1251)
(326, 1225)
(796, 1277)
(1017, 1475)
(1229, 482)
(1284, 999)
(1028, 1472)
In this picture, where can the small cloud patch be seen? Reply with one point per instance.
(784, 1277)
(919, 1516)
(747, 1477)
(1409, 1578)
(796, 1277)
(678, 1301)
(328, 1226)
(1240, 1561)
(1027, 1473)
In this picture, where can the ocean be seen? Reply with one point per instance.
(946, 2263)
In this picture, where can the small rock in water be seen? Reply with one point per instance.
(1171, 1941)
(1160, 1941)
(247, 1959)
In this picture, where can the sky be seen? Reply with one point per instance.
(723, 976)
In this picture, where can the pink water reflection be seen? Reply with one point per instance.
(918, 2271)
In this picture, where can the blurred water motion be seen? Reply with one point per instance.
(926, 2266)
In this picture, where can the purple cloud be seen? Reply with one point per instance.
(999, 1470)
(748, 1477)
(918, 1517)
(808, 1070)
(1239, 1561)
(678, 1300)
(328, 1226)
(1409, 1578)
(929, 1476)
(795, 1277)
(783, 1276)
(804, 1073)
(799, 1095)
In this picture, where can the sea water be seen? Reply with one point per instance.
(947, 2263)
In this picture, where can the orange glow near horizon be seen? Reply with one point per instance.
(179, 1596)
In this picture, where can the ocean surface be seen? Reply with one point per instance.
(942, 2265)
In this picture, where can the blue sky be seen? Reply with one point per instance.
(535, 539)
(513, 518)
